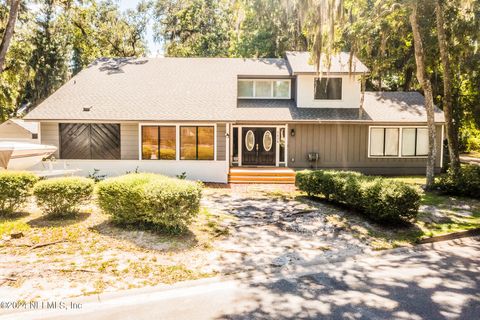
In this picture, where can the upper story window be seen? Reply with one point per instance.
(328, 88)
(264, 88)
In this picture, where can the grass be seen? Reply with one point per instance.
(96, 255)
(439, 214)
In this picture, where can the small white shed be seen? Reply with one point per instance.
(19, 130)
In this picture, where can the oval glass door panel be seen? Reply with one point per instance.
(249, 140)
(267, 140)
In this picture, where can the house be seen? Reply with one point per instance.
(19, 130)
(204, 116)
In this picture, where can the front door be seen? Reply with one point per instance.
(258, 146)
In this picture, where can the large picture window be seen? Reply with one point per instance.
(384, 141)
(264, 89)
(158, 142)
(328, 88)
(414, 141)
(197, 143)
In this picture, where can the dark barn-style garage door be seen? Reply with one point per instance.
(89, 141)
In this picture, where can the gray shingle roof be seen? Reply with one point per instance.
(286, 110)
(300, 62)
(200, 89)
(398, 106)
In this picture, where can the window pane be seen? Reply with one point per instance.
(167, 143)
(205, 143)
(245, 88)
(422, 142)
(376, 142)
(391, 142)
(149, 143)
(188, 143)
(328, 88)
(263, 88)
(280, 89)
(408, 141)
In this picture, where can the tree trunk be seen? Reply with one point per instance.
(447, 92)
(427, 89)
(8, 34)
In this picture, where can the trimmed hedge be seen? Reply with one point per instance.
(150, 199)
(468, 184)
(378, 198)
(63, 196)
(15, 188)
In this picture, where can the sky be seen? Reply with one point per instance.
(154, 48)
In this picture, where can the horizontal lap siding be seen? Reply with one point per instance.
(49, 134)
(129, 141)
(221, 141)
(343, 146)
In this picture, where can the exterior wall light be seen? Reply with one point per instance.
(292, 132)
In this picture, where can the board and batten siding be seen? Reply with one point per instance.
(345, 146)
(129, 139)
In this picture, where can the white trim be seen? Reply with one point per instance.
(277, 141)
(399, 142)
(441, 147)
(177, 126)
(271, 89)
(287, 134)
(228, 138)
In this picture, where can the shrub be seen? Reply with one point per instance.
(379, 198)
(63, 196)
(467, 184)
(150, 199)
(15, 188)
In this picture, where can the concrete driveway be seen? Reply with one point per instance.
(434, 281)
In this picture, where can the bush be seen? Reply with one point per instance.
(379, 198)
(467, 184)
(63, 196)
(15, 188)
(150, 199)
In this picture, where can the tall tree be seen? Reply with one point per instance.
(100, 29)
(427, 90)
(50, 57)
(8, 33)
(194, 28)
(447, 91)
(268, 28)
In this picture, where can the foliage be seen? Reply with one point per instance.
(54, 39)
(380, 199)
(150, 199)
(15, 188)
(63, 196)
(194, 28)
(96, 176)
(49, 58)
(182, 176)
(267, 28)
(469, 137)
(467, 184)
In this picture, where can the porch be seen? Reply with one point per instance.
(261, 175)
